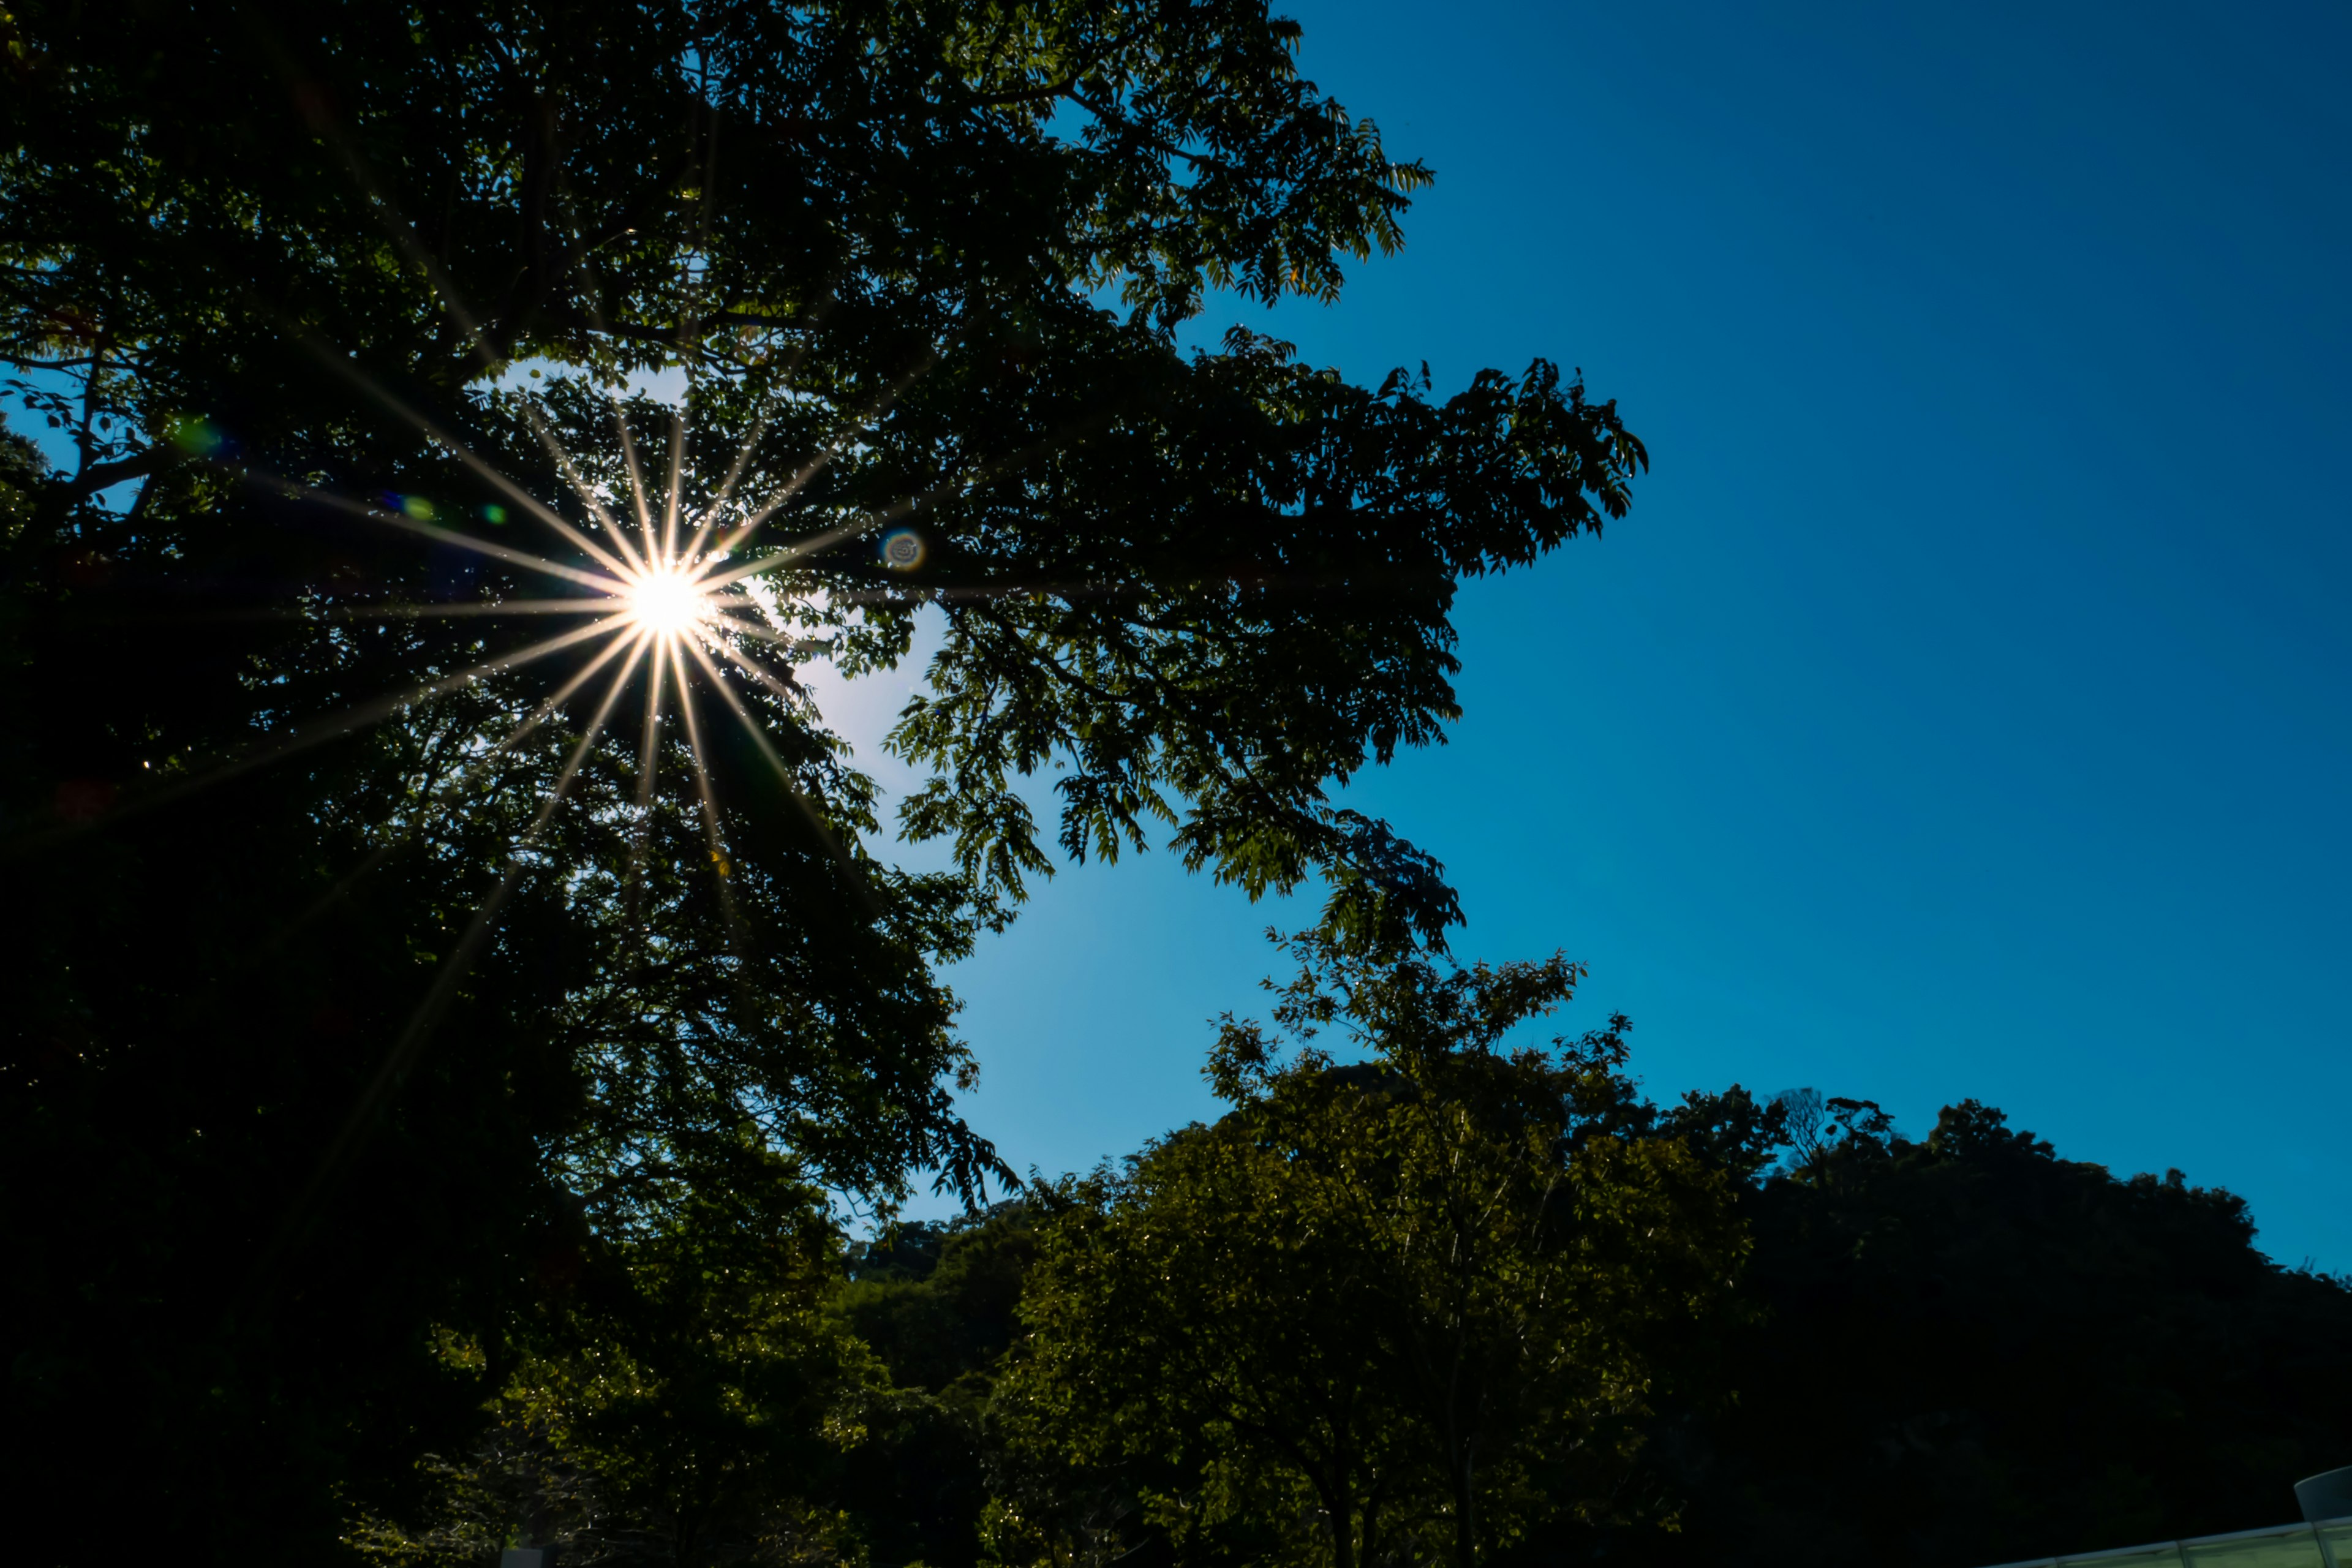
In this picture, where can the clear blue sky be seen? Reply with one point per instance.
(1962, 711)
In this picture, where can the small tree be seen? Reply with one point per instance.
(682, 1398)
(1384, 1311)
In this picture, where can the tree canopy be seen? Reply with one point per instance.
(1209, 586)
(340, 318)
(1965, 1349)
(1410, 1299)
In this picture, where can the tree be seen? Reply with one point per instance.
(325, 1031)
(1408, 1298)
(935, 1303)
(1965, 1349)
(682, 1396)
(1259, 558)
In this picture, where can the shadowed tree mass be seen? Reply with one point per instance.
(333, 1035)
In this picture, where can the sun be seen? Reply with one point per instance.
(667, 601)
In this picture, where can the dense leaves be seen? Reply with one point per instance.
(1968, 1349)
(325, 1030)
(1948, 1352)
(680, 1393)
(1376, 1313)
(1240, 588)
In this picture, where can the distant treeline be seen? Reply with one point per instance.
(1450, 1300)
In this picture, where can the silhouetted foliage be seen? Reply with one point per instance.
(938, 1305)
(1966, 1349)
(678, 1397)
(282, 1120)
(935, 1300)
(1946, 1353)
(1376, 1313)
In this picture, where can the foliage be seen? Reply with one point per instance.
(719, 1391)
(682, 1396)
(1968, 1349)
(1954, 1351)
(937, 1305)
(936, 1301)
(1378, 1313)
(305, 1063)
(21, 467)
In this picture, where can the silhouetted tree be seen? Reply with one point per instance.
(937, 1303)
(1966, 1349)
(1377, 1313)
(281, 1115)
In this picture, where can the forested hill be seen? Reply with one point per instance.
(1960, 1350)
(1969, 1350)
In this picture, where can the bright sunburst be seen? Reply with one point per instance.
(667, 600)
(674, 601)
(667, 593)
(673, 593)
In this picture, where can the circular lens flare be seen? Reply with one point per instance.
(667, 601)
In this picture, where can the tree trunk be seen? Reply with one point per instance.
(1465, 1536)
(1339, 1505)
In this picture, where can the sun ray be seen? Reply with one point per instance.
(411, 1040)
(294, 490)
(735, 603)
(361, 614)
(433, 432)
(551, 702)
(791, 367)
(632, 645)
(767, 748)
(448, 790)
(637, 647)
(950, 593)
(733, 625)
(628, 443)
(319, 731)
(765, 633)
(570, 469)
(676, 477)
(735, 471)
(766, 677)
(648, 753)
(453, 304)
(544, 710)
(486, 607)
(875, 409)
(441, 535)
(711, 836)
(970, 593)
(825, 538)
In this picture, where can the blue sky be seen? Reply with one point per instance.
(1962, 711)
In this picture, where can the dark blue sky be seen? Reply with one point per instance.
(1962, 711)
